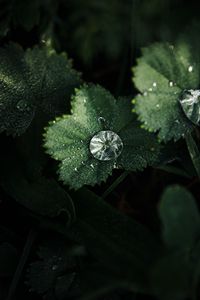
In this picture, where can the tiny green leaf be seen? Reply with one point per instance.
(101, 134)
(35, 79)
(180, 218)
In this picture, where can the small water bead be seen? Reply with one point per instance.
(190, 69)
(171, 83)
(92, 166)
(55, 267)
(106, 145)
(23, 106)
(145, 94)
(101, 120)
(190, 103)
(154, 84)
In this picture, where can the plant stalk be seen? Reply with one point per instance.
(194, 153)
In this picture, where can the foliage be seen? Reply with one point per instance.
(99, 177)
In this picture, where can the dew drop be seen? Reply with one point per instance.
(92, 166)
(190, 69)
(190, 103)
(150, 89)
(171, 83)
(145, 94)
(157, 105)
(55, 267)
(106, 145)
(76, 170)
(101, 120)
(115, 166)
(23, 106)
(154, 84)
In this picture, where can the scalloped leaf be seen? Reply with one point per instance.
(162, 74)
(36, 78)
(54, 269)
(94, 109)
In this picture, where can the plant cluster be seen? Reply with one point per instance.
(99, 173)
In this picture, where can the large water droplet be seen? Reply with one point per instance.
(106, 145)
(190, 103)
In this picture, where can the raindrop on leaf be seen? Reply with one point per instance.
(106, 145)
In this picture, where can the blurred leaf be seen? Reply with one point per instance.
(118, 242)
(42, 196)
(171, 277)
(180, 218)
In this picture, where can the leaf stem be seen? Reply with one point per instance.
(115, 184)
(194, 153)
(22, 261)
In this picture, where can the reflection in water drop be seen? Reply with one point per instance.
(106, 145)
(190, 103)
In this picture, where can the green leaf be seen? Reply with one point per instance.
(94, 109)
(119, 243)
(171, 277)
(54, 269)
(42, 196)
(35, 79)
(163, 73)
(180, 218)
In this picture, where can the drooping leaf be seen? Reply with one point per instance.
(118, 242)
(95, 112)
(163, 74)
(35, 79)
(180, 218)
(43, 196)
